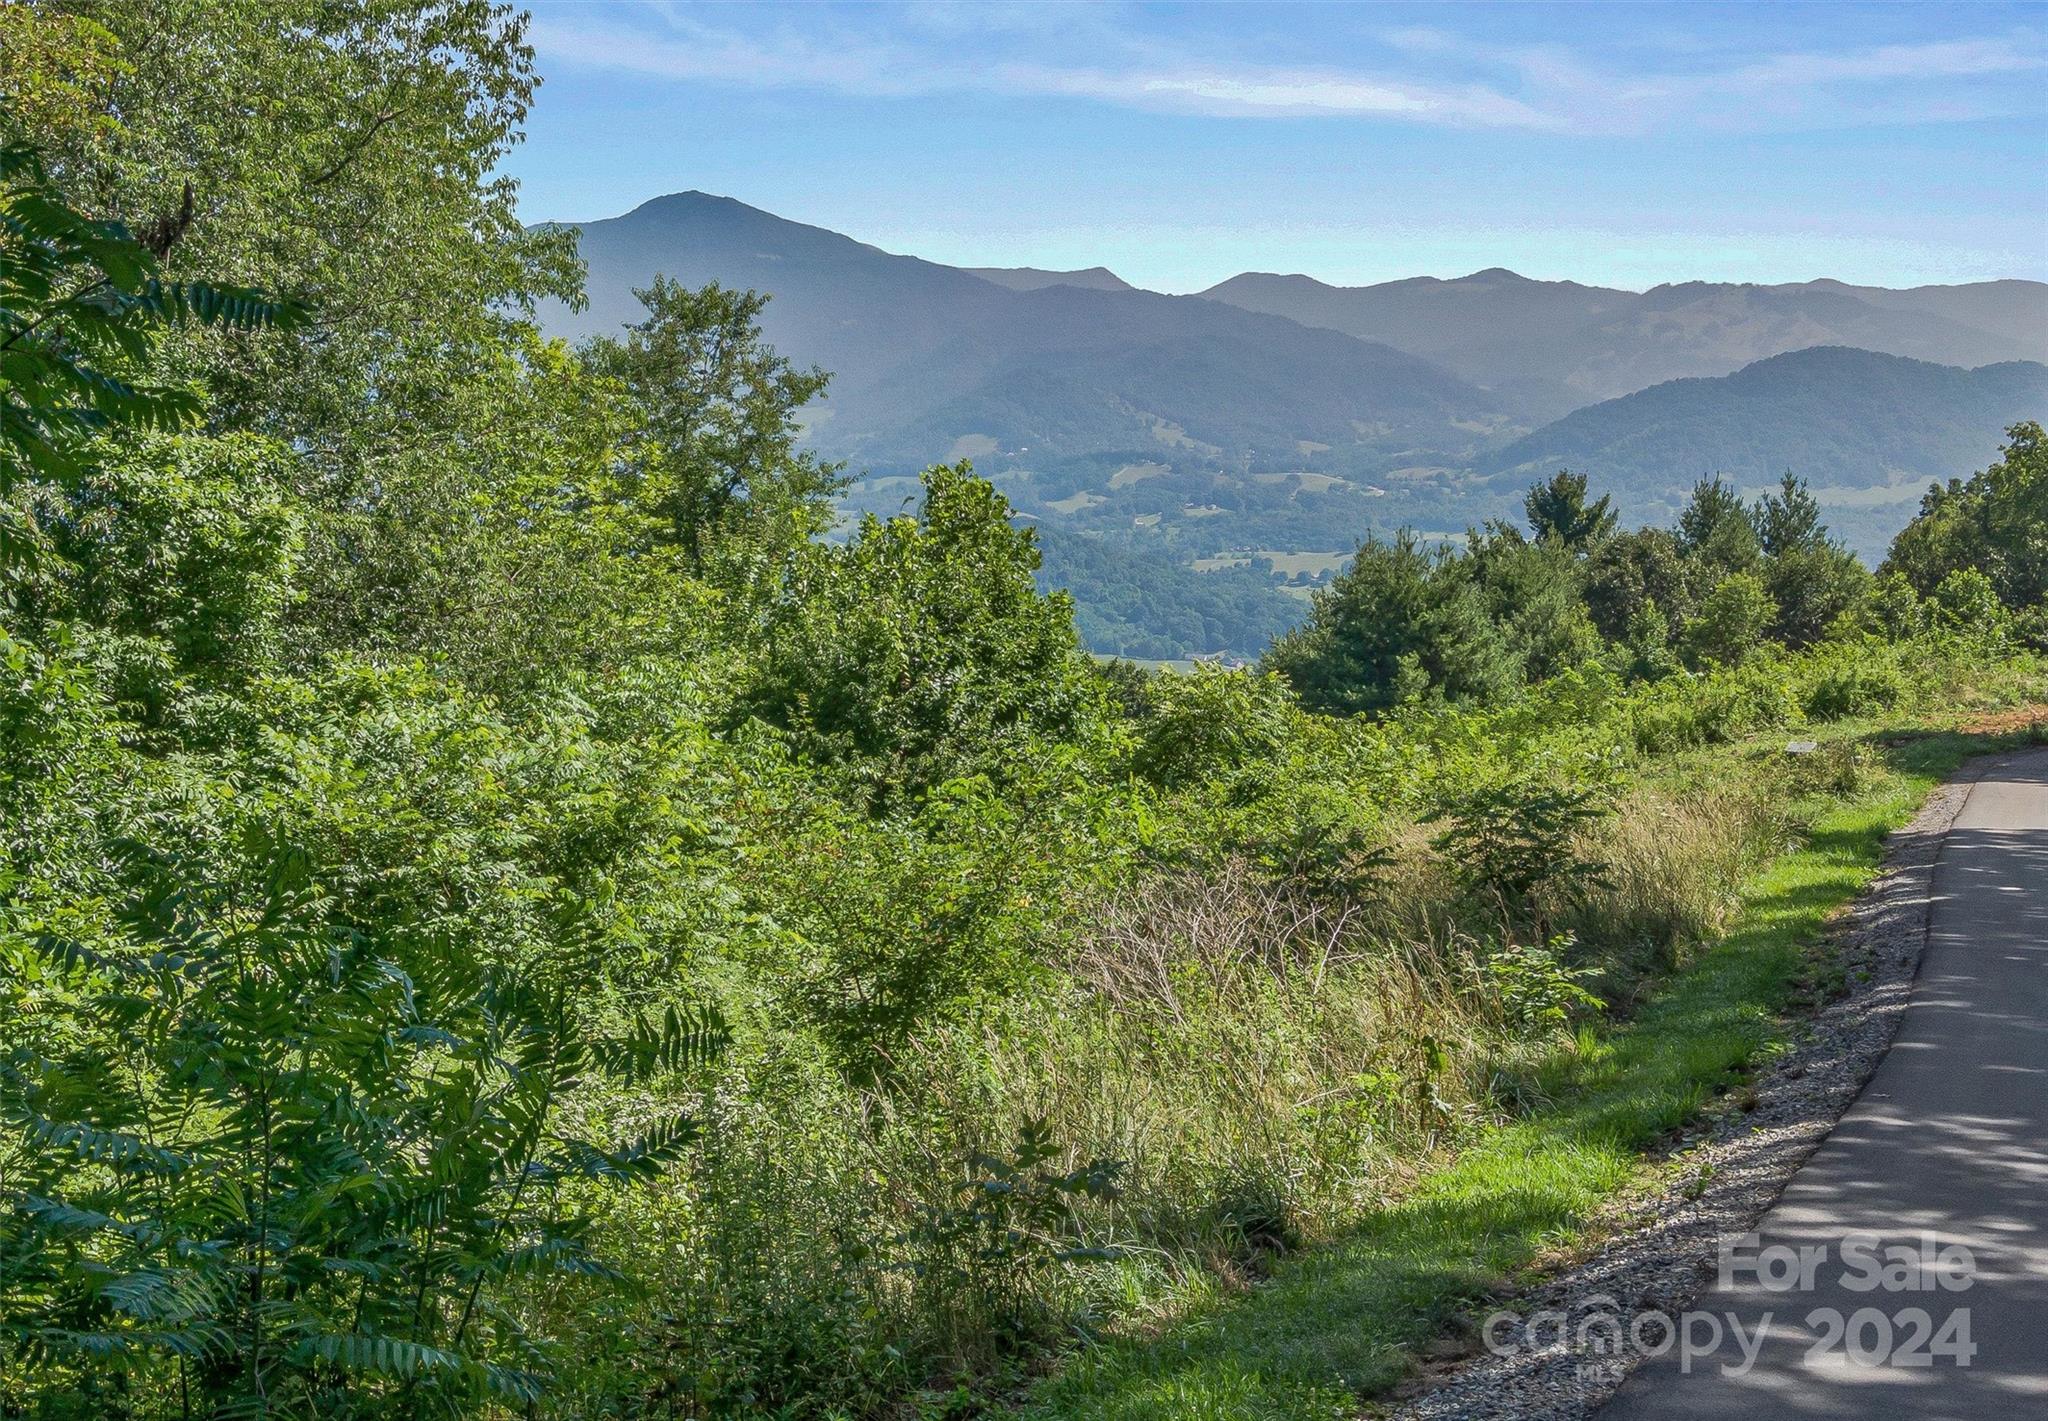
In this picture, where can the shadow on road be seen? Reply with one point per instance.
(1949, 1139)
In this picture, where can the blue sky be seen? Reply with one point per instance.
(1620, 144)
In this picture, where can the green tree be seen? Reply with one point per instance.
(1634, 570)
(173, 565)
(1716, 530)
(1558, 511)
(922, 649)
(1518, 847)
(514, 551)
(83, 304)
(1813, 580)
(1535, 593)
(348, 153)
(1731, 621)
(1966, 601)
(1644, 649)
(1813, 587)
(716, 412)
(1212, 723)
(262, 1151)
(343, 152)
(1788, 521)
(1896, 608)
(1398, 621)
(1995, 521)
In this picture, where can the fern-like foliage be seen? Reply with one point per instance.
(260, 1161)
(684, 1039)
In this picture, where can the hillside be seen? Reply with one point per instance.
(1135, 603)
(513, 911)
(1868, 431)
(1550, 346)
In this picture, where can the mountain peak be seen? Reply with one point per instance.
(688, 198)
(1258, 278)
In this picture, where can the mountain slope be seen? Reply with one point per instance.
(1551, 346)
(2015, 310)
(1868, 431)
(929, 360)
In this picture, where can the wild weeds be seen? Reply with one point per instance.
(1672, 865)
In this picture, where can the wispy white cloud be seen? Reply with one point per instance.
(862, 67)
(699, 53)
(1941, 59)
(1244, 92)
(1431, 76)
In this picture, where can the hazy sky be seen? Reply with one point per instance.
(1178, 145)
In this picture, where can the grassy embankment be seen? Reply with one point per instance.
(1339, 1323)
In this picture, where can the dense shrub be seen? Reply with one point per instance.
(1857, 682)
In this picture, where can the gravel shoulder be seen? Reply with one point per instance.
(1725, 1176)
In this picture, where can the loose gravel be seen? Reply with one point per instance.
(1727, 1174)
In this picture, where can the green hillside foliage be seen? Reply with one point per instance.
(1404, 624)
(1132, 602)
(501, 918)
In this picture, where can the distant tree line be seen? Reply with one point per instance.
(1514, 607)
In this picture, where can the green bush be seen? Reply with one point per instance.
(1857, 681)
(1538, 993)
(1966, 602)
(1517, 846)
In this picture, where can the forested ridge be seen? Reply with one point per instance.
(503, 917)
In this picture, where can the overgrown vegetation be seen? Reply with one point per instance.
(1346, 1318)
(499, 917)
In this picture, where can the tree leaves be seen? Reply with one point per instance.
(79, 300)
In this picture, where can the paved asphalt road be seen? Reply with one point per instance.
(1949, 1138)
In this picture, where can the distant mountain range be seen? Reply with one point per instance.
(928, 359)
(1865, 429)
(1031, 278)
(1549, 347)
(1265, 425)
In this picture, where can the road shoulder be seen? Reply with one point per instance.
(1728, 1172)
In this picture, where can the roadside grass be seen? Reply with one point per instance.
(1339, 1323)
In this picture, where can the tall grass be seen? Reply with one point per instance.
(1341, 1323)
(1671, 862)
(1263, 1067)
